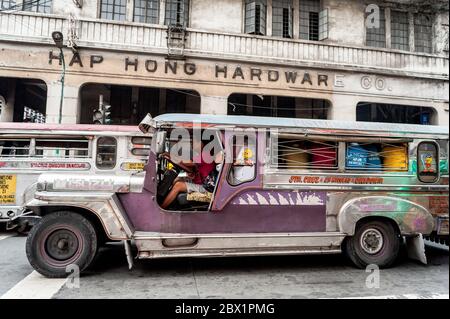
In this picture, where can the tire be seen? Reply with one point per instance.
(59, 240)
(365, 247)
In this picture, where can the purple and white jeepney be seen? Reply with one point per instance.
(282, 186)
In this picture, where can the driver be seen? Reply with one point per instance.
(198, 170)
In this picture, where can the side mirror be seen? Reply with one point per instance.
(160, 142)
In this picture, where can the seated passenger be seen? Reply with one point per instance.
(201, 167)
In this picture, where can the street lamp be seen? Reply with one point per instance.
(58, 38)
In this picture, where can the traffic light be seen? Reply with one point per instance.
(107, 114)
(102, 115)
(97, 117)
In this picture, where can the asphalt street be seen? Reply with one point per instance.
(254, 277)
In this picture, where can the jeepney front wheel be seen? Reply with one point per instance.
(374, 243)
(60, 241)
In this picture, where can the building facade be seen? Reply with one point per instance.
(351, 60)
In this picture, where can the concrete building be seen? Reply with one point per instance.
(347, 60)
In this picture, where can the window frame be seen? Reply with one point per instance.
(12, 4)
(97, 145)
(438, 159)
(396, 45)
(145, 10)
(35, 6)
(29, 154)
(185, 17)
(273, 158)
(381, 170)
(306, 7)
(279, 8)
(255, 24)
(230, 168)
(424, 37)
(106, 3)
(383, 21)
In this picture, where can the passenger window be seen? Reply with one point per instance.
(106, 152)
(377, 156)
(427, 162)
(15, 148)
(75, 148)
(297, 153)
(243, 168)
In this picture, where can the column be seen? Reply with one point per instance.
(387, 13)
(162, 11)
(217, 105)
(296, 21)
(7, 111)
(411, 31)
(441, 116)
(343, 108)
(269, 18)
(70, 103)
(130, 10)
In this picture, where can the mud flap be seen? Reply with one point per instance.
(416, 248)
(128, 253)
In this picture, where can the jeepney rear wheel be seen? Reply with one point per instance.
(60, 241)
(374, 243)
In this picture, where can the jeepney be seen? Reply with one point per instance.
(28, 150)
(283, 186)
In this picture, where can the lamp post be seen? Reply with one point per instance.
(58, 38)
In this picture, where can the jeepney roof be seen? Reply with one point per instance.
(67, 128)
(240, 121)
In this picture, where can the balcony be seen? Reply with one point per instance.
(144, 38)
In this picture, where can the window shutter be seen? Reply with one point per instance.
(250, 16)
(262, 19)
(323, 25)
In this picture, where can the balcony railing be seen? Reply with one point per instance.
(29, 27)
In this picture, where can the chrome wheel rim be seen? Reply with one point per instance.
(372, 241)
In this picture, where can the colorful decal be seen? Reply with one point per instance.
(8, 184)
(428, 163)
(280, 198)
(335, 180)
(248, 154)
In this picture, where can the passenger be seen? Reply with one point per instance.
(200, 169)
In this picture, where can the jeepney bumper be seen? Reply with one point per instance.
(441, 233)
(20, 221)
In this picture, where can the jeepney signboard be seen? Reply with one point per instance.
(129, 166)
(8, 184)
(20, 165)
